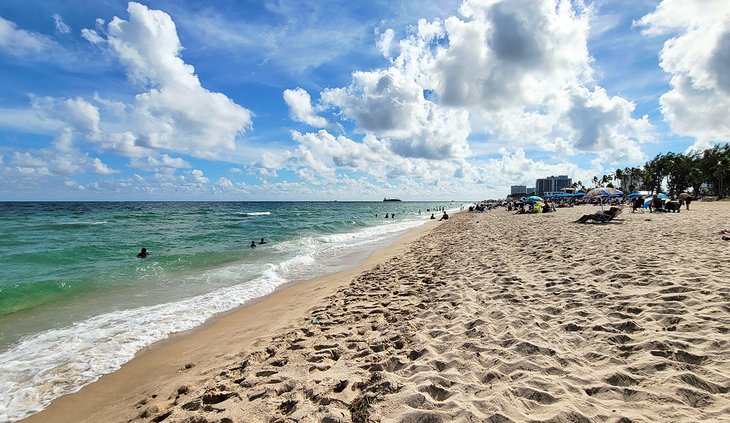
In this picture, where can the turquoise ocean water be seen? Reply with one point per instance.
(76, 303)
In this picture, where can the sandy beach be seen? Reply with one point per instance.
(487, 317)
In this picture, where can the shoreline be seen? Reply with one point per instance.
(486, 317)
(240, 325)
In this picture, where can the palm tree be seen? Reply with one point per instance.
(578, 186)
(605, 179)
(620, 176)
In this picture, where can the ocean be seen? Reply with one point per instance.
(77, 303)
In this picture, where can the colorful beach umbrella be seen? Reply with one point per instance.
(533, 199)
(603, 192)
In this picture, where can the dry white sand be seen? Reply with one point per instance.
(489, 317)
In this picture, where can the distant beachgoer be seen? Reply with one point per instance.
(253, 244)
(687, 200)
(444, 217)
(599, 215)
(262, 241)
(392, 215)
(386, 215)
(638, 204)
(656, 204)
(432, 216)
(143, 253)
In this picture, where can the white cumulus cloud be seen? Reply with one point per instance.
(77, 113)
(159, 162)
(391, 105)
(224, 183)
(604, 124)
(324, 160)
(196, 176)
(61, 158)
(176, 112)
(300, 108)
(517, 71)
(697, 57)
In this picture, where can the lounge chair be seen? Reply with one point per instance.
(601, 217)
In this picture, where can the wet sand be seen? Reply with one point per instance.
(489, 317)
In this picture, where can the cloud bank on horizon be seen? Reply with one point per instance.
(293, 102)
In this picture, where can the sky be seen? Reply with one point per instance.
(349, 100)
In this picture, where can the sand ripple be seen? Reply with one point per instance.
(501, 318)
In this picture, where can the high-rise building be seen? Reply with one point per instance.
(518, 189)
(552, 184)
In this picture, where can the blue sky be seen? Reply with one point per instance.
(349, 100)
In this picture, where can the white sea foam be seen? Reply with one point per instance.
(372, 234)
(255, 213)
(43, 367)
(47, 365)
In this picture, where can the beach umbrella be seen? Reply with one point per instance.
(633, 195)
(603, 192)
(533, 199)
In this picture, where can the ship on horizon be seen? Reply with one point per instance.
(391, 199)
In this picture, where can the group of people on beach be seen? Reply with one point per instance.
(659, 204)
(433, 215)
(523, 207)
(654, 204)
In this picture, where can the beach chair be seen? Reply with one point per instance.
(601, 217)
(608, 216)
